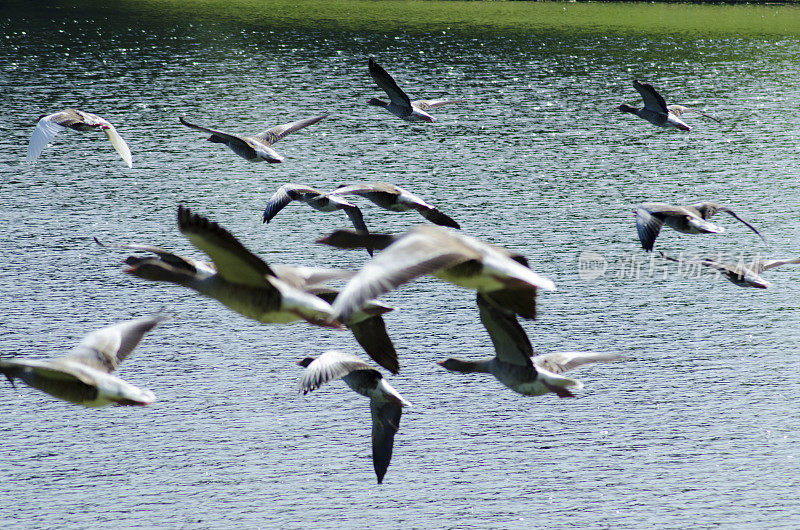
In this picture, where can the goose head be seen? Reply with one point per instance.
(154, 269)
(627, 108)
(376, 102)
(305, 362)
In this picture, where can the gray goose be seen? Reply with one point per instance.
(259, 147)
(740, 274)
(323, 202)
(49, 126)
(396, 199)
(266, 293)
(84, 375)
(513, 364)
(650, 217)
(656, 110)
(385, 402)
(399, 103)
(449, 255)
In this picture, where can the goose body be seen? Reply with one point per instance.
(514, 365)
(399, 103)
(741, 274)
(655, 109)
(386, 404)
(446, 254)
(84, 375)
(285, 294)
(396, 199)
(49, 126)
(256, 148)
(650, 217)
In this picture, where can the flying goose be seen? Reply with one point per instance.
(656, 110)
(247, 287)
(399, 103)
(255, 148)
(449, 255)
(650, 217)
(741, 274)
(84, 375)
(323, 202)
(49, 126)
(395, 199)
(512, 364)
(385, 402)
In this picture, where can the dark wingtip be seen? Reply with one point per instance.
(305, 362)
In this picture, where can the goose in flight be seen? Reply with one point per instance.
(84, 375)
(399, 103)
(650, 217)
(396, 199)
(656, 110)
(49, 126)
(259, 147)
(449, 255)
(323, 202)
(385, 402)
(285, 294)
(741, 274)
(514, 365)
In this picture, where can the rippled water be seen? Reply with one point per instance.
(699, 427)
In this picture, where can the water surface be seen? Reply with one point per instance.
(699, 427)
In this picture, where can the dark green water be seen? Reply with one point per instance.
(698, 428)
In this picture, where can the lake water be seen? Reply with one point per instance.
(697, 428)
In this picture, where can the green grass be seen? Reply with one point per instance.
(424, 16)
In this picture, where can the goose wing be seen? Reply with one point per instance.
(46, 129)
(648, 225)
(233, 261)
(511, 343)
(105, 348)
(748, 225)
(225, 136)
(301, 276)
(330, 366)
(385, 423)
(772, 263)
(283, 196)
(560, 362)
(680, 110)
(270, 136)
(652, 99)
(120, 146)
(388, 84)
(414, 254)
(427, 104)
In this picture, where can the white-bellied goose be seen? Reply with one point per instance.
(512, 364)
(396, 199)
(255, 148)
(303, 284)
(84, 375)
(323, 202)
(385, 402)
(651, 216)
(399, 103)
(742, 274)
(49, 126)
(655, 108)
(446, 254)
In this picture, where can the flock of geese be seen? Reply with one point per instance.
(505, 284)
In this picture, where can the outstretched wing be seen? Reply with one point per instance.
(234, 262)
(388, 84)
(385, 423)
(647, 226)
(330, 366)
(226, 136)
(107, 347)
(427, 104)
(46, 129)
(270, 136)
(652, 99)
(283, 196)
(511, 343)
(560, 362)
